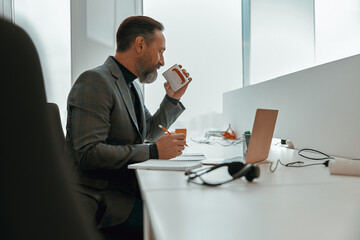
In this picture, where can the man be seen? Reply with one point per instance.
(108, 123)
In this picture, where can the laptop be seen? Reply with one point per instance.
(261, 136)
(260, 140)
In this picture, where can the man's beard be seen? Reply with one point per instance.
(146, 74)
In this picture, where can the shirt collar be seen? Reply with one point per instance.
(129, 76)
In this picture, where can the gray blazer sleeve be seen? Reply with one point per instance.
(99, 127)
(166, 115)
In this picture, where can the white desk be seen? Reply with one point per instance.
(292, 203)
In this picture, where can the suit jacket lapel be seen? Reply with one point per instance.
(123, 88)
(124, 91)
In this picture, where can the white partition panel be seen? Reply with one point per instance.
(318, 107)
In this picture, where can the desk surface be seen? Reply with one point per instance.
(291, 203)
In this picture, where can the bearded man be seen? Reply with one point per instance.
(109, 127)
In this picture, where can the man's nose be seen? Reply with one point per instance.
(162, 61)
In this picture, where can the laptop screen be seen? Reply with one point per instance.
(261, 136)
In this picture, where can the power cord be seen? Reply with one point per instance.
(293, 164)
(301, 163)
(326, 156)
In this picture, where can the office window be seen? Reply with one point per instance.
(205, 37)
(282, 38)
(291, 35)
(337, 29)
(48, 24)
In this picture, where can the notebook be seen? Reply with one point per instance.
(184, 162)
(260, 140)
(189, 157)
(156, 164)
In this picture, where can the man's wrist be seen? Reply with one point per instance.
(153, 151)
(172, 100)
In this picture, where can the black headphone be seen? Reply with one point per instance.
(235, 169)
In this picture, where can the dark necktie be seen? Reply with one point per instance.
(137, 107)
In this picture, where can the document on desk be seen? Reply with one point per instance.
(189, 157)
(157, 164)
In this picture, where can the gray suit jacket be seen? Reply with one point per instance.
(103, 130)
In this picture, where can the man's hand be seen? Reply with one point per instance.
(180, 92)
(170, 146)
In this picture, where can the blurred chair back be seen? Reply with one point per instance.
(37, 197)
(92, 200)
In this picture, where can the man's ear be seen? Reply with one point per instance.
(139, 44)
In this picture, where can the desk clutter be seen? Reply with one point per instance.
(256, 147)
(223, 138)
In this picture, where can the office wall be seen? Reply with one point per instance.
(93, 27)
(318, 107)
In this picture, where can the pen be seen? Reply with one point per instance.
(165, 130)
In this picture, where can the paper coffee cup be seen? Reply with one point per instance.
(181, 130)
(175, 77)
